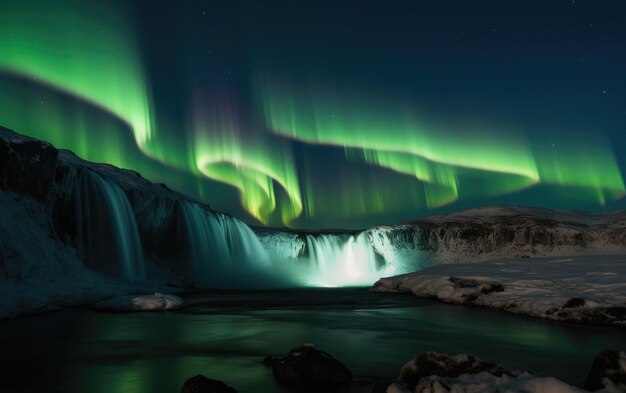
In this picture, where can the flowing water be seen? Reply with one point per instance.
(341, 260)
(108, 239)
(224, 250)
(225, 335)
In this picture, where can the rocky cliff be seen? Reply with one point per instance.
(504, 232)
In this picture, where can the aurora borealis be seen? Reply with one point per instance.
(326, 114)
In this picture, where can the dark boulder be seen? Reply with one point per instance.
(306, 365)
(574, 302)
(445, 365)
(202, 384)
(381, 385)
(491, 287)
(486, 287)
(607, 371)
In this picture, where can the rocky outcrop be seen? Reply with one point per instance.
(608, 372)
(307, 366)
(202, 384)
(27, 166)
(504, 232)
(445, 365)
(442, 373)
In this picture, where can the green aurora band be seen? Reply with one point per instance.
(83, 48)
(250, 161)
(390, 135)
(75, 68)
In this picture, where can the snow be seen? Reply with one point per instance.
(156, 302)
(538, 287)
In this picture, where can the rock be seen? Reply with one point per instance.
(445, 365)
(202, 384)
(270, 360)
(462, 282)
(398, 388)
(608, 371)
(574, 302)
(26, 165)
(485, 287)
(381, 385)
(156, 302)
(614, 315)
(306, 365)
(491, 287)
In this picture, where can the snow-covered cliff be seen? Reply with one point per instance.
(503, 232)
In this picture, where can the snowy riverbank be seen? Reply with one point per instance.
(588, 289)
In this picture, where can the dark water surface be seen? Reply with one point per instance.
(225, 335)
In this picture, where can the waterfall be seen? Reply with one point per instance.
(326, 260)
(106, 227)
(341, 260)
(207, 244)
(245, 247)
(400, 248)
(223, 251)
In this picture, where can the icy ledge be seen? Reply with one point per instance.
(156, 302)
(586, 289)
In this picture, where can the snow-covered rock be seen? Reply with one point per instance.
(156, 302)
(489, 383)
(436, 372)
(608, 372)
(589, 289)
(446, 365)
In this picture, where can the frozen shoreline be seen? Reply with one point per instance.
(585, 289)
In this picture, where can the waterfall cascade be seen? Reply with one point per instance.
(106, 227)
(341, 259)
(331, 259)
(223, 251)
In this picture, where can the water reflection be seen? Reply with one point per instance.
(225, 335)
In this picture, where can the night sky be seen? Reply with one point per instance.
(331, 113)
